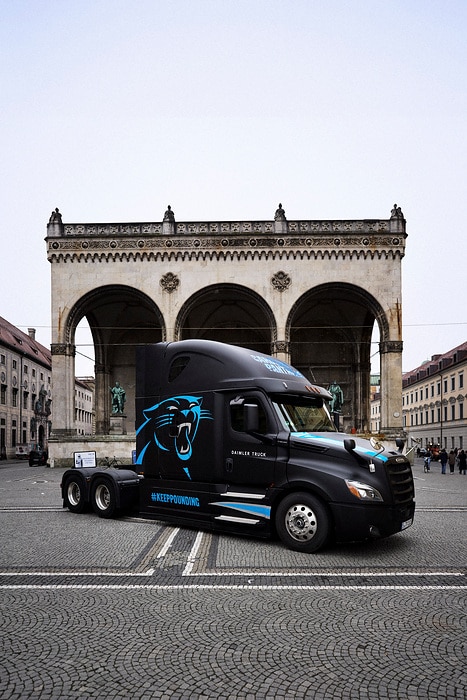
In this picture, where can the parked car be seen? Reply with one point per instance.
(38, 457)
(22, 451)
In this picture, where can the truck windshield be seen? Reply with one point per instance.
(303, 414)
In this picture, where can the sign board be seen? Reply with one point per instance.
(84, 459)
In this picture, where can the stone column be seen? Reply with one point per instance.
(281, 350)
(63, 378)
(391, 388)
(102, 400)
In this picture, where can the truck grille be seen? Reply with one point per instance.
(401, 481)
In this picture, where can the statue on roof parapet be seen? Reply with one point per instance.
(55, 217)
(280, 214)
(169, 215)
(396, 212)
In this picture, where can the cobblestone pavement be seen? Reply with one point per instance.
(128, 608)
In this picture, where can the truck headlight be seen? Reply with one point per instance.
(364, 492)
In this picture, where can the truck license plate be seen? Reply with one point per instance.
(406, 524)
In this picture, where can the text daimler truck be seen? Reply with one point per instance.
(233, 440)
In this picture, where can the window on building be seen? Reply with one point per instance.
(432, 389)
(426, 416)
(3, 395)
(453, 383)
(14, 397)
(426, 392)
(438, 388)
(33, 372)
(461, 410)
(445, 413)
(25, 369)
(416, 396)
(453, 411)
(438, 415)
(2, 360)
(25, 400)
(432, 415)
(461, 381)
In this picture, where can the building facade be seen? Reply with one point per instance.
(25, 390)
(84, 409)
(434, 401)
(26, 394)
(308, 292)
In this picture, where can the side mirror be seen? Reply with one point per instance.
(349, 444)
(250, 418)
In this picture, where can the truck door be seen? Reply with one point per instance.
(249, 456)
(179, 440)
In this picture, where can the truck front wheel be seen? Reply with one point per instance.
(73, 495)
(302, 522)
(104, 498)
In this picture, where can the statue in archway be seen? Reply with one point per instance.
(335, 405)
(118, 398)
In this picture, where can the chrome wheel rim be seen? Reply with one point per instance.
(301, 522)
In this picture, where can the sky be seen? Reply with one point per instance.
(112, 109)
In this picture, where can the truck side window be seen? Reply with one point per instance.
(236, 416)
(177, 367)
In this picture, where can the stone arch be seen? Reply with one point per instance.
(329, 332)
(228, 313)
(120, 318)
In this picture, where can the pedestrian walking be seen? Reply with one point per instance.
(452, 461)
(462, 459)
(443, 458)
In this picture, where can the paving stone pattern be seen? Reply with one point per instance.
(135, 609)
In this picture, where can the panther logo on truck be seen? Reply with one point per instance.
(174, 423)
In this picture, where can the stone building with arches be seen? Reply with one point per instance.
(309, 292)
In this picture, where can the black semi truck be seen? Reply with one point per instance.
(234, 440)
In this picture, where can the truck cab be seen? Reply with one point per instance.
(238, 441)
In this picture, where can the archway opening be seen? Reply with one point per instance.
(119, 319)
(228, 314)
(330, 331)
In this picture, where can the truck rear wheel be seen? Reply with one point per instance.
(302, 522)
(104, 498)
(73, 495)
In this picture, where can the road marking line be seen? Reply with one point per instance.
(192, 555)
(168, 542)
(327, 574)
(233, 572)
(245, 587)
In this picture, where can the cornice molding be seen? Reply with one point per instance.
(76, 248)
